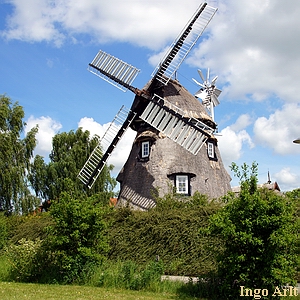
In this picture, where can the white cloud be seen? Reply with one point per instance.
(286, 179)
(138, 22)
(47, 128)
(231, 144)
(50, 63)
(252, 47)
(33, 21)
(251, 44)
(92, 126)
(154, 59)
(279, 130)
(121, 152)
(233, 138)
(241, 123)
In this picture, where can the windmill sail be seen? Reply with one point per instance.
(96, 162)
(189, 133)
(113, 70)
(184, 43)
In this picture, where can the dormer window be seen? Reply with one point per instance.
(145, 149)
(182, 184)
(210, 150)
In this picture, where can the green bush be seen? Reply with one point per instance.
(4, 267)
(259, 234)
(171, 231)
(294, 197)
(61, 246)
(30, 227)
(3, 231)
(23, 254)
(76, 241)
(23, 258)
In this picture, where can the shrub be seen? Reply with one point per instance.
(77, 239)
(4, 267)
(259, 235)
(29, 227)
(294, 197)
(61, 246)
(3, 231)
(170, 231)
(23, 258)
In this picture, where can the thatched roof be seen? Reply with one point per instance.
(174, 94)
(178, 95)
(141, 177)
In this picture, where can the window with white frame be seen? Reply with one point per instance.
(182, 184)
(145, 149)
(210, 150)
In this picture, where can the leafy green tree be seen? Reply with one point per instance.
(15, 156)
(259, 233)
(38, 176)
(70, 150)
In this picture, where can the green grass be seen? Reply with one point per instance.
(30, 291)
(22, 291)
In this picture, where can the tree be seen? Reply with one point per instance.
(69, 152)
(38, 176)
(259, 233)
(15, 156)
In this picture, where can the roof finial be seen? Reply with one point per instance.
(269, 179)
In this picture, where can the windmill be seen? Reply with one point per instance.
(164, 116)
(208, 92)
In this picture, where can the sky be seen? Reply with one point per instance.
(253, 47)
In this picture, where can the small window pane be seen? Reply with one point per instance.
(210, 150)
(145, 149)
(182, 184)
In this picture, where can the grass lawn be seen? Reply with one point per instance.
(21, 291)
(29, 291)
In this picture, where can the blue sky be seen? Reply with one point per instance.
(253, 46)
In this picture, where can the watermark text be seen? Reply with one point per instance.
(258, 293)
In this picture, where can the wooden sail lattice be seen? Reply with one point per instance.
(184, 43)
(169, 119)
(97, 160)
(113, 70)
